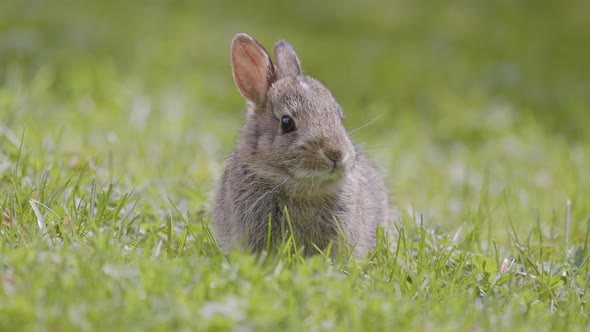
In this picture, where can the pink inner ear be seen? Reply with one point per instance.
(252, 70)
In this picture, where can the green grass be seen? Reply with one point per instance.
(115, 119)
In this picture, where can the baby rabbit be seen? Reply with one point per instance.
(294, 156)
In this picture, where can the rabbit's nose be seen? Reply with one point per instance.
(334, 155)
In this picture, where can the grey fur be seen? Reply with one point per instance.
(287, 61)
(316, 172)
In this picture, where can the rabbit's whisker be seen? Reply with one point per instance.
(366, 124)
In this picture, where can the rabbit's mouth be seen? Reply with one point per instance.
(332, 176)
(335, 172)
(313, 182)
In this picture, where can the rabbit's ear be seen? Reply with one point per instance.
(252, 68)
(287, 60)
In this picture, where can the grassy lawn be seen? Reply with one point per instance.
(116, 117)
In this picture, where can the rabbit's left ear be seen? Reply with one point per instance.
(287, 61)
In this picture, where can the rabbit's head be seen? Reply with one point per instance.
(293, 135)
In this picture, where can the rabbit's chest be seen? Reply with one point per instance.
(312, 221)
(307, 214)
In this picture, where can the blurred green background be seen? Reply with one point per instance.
(478, 103)
(116, 117)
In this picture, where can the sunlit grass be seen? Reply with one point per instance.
(115, 119)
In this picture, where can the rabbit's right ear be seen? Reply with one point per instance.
(287, 61)
(252, 68)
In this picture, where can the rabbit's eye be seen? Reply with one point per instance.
(287, 124)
